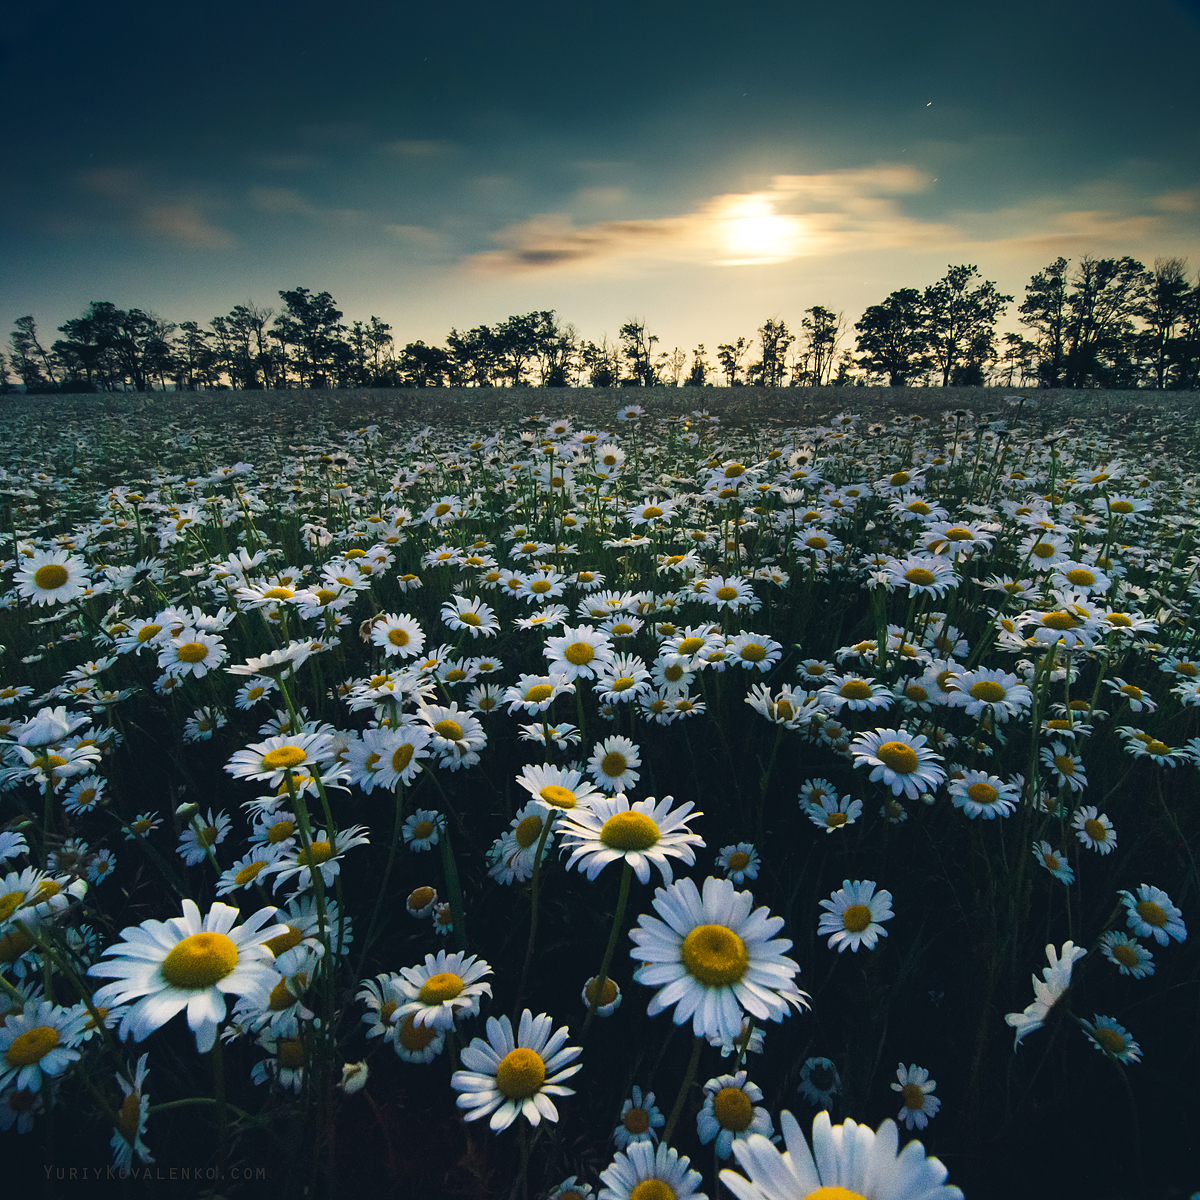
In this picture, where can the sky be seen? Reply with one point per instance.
(700, 166)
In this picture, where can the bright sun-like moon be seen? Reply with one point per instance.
(752, 232)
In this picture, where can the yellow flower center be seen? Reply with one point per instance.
(450, 730)
(413, 1037)
(623, 684)
(278, 593)
(199, 961)
(726, 593)
(31, 1046)
(898, 756)
(283, 757)
(422, 829)
(1187, 669)
(1043, 550)
(913, 1097)
(652, 1189)
(441, 510)
(520, 1074)
(285, 941)
(714, 955)
(1081, 578)
(739, 860)
(651, 510)
(437, 988)
(289, 1052)
(280, 832)
(900, 478)
(1065, 764)
(856, 918)
(920, 508)
(528, 831)
(1151, 913)
(1126, 955)
(835, 819)
(629, 831)
(129, 1117)
(1110, 1039)
(9, 903)
(919, 576)
(281, 998)
(733, 1110)
(469, 618)
(558, 796)
(983, 793)
(1154, 746)
(734, 470)
(317, 853)
(50, 577)
(753, 652)
(816, 542)
(247, 873)
(855, 689)
(989, 691)
(1051, 861)
(1059, 620)
(958, 534)
(1132, 691)
(579, 654)
(1121, 506)
(914, 691)
(402, 757)
(192, 652)
(398, 637)
(420, 897)
(636, 1120)
(1095, 830)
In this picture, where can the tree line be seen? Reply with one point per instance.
(1107, 323)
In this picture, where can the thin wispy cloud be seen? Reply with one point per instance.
(128, 198)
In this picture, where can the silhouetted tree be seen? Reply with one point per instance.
(311, 324)
(893, 338)
(960, 325)
(822, 331)
(698, 375)
(474, 357)
(30, 361)
(1164, 310)
(601, 364)
(1045, 310)
(423, 366)
(730, 355)
(636, 349)
(774, 339)
(1106, 294)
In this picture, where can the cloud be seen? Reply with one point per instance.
(600, 197)
(185, 223)
(409, 148)
(797, 216)
(418, 236)
(280, 200)
(1187, 200)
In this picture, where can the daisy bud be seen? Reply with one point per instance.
(354, 1077)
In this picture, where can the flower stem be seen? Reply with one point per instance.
(684, 1088)
(601, 979)
(535, 891)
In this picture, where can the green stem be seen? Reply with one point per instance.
(684, 1088)
(622, 900)
(535, 891)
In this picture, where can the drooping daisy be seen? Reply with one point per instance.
(853, 914)
(188, 962)
(445, 989)
(324, 852)
(417, 1043)
(739, 862)
(645, 833)
(198, 840)
(1054, 862)
(507, 1076)
(51, 577)
(640, 1120)
(572, 1189)
(1150, 913)
(1127, 954)
(979, 794)
(846, 1162)
(731, 1112)
(610, 996)
(420, 830)
(470, 614)
(1066, 767)
(1047, 991)
(710, 957)
(1112, 1039)
(830, 813)
(1094, 829)
(916, 1090)
(642, 1172)
(39, 1040)
(612, 764)
(899, 760)
(131, 1119)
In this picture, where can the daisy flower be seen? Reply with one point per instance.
(612, 762)
(999, 693)
(754, 651)
(830, 813)
(556, 787)
(187, 962)
(853, 914)
(142, 825)
(855, 693)
(444, 990)
(455, 733)
(324, 851)
(202, 835)
(1054, 862)
(421, 829)
(730, 1111)
(847, 1160)
(192, 653)
(1066, 767)
(246, 871)
(51, 577)
(640, 1120)
(739, 862)
(508, 1076)
(277, 663)
(979, 794)
(420, 901)
(12, 845)
(254, 690)
(899, 760)
(131, 1119)
(417, 1043)
(572, 1189)
(1047, 991)
(471, 615)
(610, 997)
(1112, 1039)
(38, 1041)
(916, 1088)
(921, 574)
(641, 1171)
(1094, 829)
(386, 757)
(271, 760)
(645, 833)
(819, 1081)
(397, 635)
(1127, 954)
(623, 681)
(535, 693)
(579, 652)
(1151, 914)
(710, 956)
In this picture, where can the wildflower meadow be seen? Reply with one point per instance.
(636, 803)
